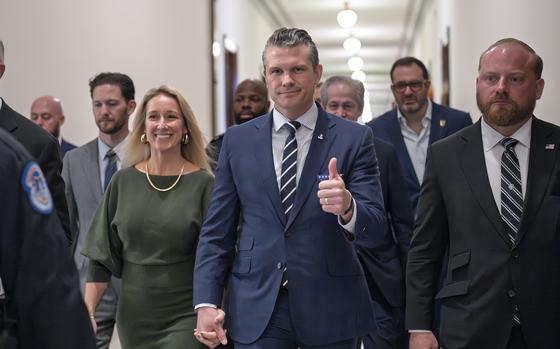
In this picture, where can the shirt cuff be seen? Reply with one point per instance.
(349, 227)
(209, 305)
(419, 331)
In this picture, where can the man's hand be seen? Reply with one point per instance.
(333, 196)
(423, 340)
(209, 327)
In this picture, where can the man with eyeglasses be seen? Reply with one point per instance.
(416, 122)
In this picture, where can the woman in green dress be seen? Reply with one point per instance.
(146, 229)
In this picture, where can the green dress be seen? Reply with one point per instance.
(148, 238)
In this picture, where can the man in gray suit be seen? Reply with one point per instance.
(87, 171)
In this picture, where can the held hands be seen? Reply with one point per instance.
(333, 196)
(423, 340)
(209, 327)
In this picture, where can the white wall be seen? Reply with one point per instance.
(55, 47)
(241, 22)
(475, 24)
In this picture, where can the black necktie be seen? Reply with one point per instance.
(111, 168)
(512, 196)
(289, 168)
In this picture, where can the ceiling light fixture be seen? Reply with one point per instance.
(352, 46)
(355, 63)
(359, 75)
(347, 18)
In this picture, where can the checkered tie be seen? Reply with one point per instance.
(111, 168)
(289, 168)
(512, 196)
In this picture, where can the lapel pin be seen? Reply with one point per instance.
(549, 146)
(321, 136)
(442, 123)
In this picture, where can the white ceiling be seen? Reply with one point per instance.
(384, 27)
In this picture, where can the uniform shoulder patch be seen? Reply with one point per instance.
(33, 182)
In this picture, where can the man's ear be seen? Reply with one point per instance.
(130, 107)
(2, 69)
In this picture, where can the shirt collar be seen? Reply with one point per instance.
(308, 119)
(104, 148)
(491, 137)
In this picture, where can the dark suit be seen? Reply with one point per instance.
(36, 268)
(65, 147)
(486, 277)
(45, 149)
(445, 121)
(384, 264)
(328, 296)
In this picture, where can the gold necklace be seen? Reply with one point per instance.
(164, 189)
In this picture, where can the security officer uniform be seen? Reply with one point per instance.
(39, 277)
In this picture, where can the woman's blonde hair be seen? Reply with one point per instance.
(193, 151)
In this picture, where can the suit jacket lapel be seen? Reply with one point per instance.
(7, 121)
(396, 137)
(265, 161)
(316, 157)
(541, 161)
(438, 124)
(90, 167)
(476, 174)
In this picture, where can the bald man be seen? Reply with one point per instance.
(251, 100)
(46, 111)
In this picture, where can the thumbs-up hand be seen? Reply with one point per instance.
(333, 196)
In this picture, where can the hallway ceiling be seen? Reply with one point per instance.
(383, 27)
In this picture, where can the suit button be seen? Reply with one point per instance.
(279, 265)
(511, 293)
(515, 254)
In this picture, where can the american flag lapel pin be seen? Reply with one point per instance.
(442, 123)
(320, 136)
(549, 146)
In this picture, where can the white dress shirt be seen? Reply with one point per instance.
(417, 144)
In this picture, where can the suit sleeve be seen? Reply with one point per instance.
(399, 206)
(216, 246)
(427, 248)
(50, 163)
(364, 184)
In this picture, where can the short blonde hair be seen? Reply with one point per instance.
(193, 151)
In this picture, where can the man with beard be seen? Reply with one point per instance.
(87, 171)
(491, 195)
(416, 122)
(46, 111)
(251, 100)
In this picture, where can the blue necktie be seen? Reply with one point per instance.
(111, 168)
(512, 196)
(288, 177)
(289, 168)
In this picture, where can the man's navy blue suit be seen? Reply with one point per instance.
(328, 295)
(445, 121)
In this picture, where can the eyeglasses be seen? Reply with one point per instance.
(415, 85)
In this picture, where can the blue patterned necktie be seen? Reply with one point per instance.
(289, 168)
(288, 177)
(111, 168)
(512, 197)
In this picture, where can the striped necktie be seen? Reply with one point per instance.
(512, 196)
(289, 168)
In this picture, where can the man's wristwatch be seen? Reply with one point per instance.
(350, 207)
